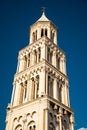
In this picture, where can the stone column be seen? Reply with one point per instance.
(36, 83)
(32, 58)
(17, 66)
(62, 92)
(46, 82)
(16, 95)
(72, 122)
(30, 89)
(55, 91)
(42, 83)
(55, 37)
(13, 93)
(49, 33)
(66, 94)
(54, 60)
(61, 64)
(64, 65)
(43, 52)
(22, 64)
(60, 118)
(20, 94)
(39, 33)
(46, 119)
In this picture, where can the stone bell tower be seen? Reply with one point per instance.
(40, 96)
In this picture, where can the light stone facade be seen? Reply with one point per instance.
(40, 97)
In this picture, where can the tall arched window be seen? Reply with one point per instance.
(45, 32)
(50, 86)
(42, 32)
(39, 54)
(36, 35)
(33, 35)
(28, 60)
(53, 36)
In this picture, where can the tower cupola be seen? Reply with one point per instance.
(43, 27)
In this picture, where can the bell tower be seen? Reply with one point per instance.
(40, 97)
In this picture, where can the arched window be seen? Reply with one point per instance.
(36, 35)
(18, 127)
(39, 54)
(45, 32)
(42, 32)
(50, 86)
(33, 35)
(53, 36)
(28, 60)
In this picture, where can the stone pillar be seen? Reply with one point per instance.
(60, 118)
(55, 38)
(49, 33)
(62, 92)
(43, 51)
(39, 33)
(42, 83)
(16, 95)
(72, 122)
(64, 65)
(46, 82)
(31, 37)
(30, 89)
(17, 66)
(20, 94)
(13, 94)
(36, 83)
(32, 58)
(55, 91)
(61, 64)
(66, 94)
(46, 119)
(22, 64)
(54, 60)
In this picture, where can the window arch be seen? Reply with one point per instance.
(45, 32)
(31, 125)
(42, 32)
(18, 127)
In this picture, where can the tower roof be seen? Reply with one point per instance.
(43, 18)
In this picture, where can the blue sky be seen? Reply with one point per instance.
(71, 18)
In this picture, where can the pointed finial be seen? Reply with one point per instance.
(43, 10)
